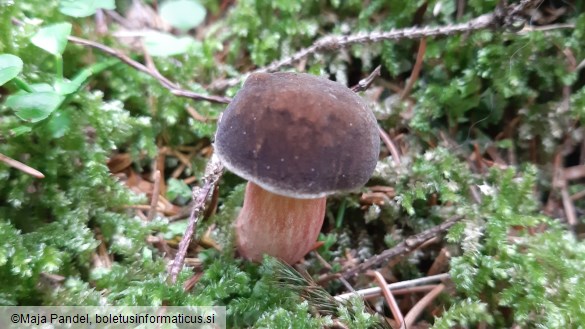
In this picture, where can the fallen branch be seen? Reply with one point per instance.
(419, 307)
(155, 194)
(174, 88)
(365, 83)
(390, 145)
(213, 172)
(390, 300)
(334, 42)
(422, 48)
(374, 292)
(402, 248)
(21, 166)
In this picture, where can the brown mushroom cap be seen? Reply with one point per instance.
(298, 135)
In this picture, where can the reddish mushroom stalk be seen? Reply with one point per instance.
(280, 226)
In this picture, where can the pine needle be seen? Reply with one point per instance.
(318, 298)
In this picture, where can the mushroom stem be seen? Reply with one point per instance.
(276, 225)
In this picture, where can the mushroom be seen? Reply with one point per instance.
(296, 138)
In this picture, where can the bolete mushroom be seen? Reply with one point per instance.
(296, 138)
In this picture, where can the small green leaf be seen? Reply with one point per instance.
(20, 130)
(36, 106)
(178, 188)
(84, 8)
(59, 124)
(52, 38)
(175, 229)
(66, 87)
(42, 87)
(10, 67)
(163, 44)
(182, 14)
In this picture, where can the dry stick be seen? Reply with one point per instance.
(21, 166)
(390, 145)
(390, 300)
(402, 248)
(140, 207)
(417, 309)
(213, 172)
(373, 292)
(559, 182)
(365, 83)
(155, 194)
(335, 42)
(414, 290)
(569, 207)
(574, 172)
(416, 69)
(196, 115)
(529, 29)
(578, 195)
(440, 263)
(165, 82)
(460, 9)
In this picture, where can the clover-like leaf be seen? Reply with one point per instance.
(163, 44)
(10, 67)
(34, 107)
(59, 124)
(183, 14)
(52, 38)
(66, 87)
(20, 130)
(84, 8)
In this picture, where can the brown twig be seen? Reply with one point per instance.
(422, 48)
(21, 166)
(154, 198)
(414, 290)
(196, 115)
(390, 300)
(417, 309)
(334, 42)
(440, 263)
(560, 183)
(529, 29)
(574, 172)
(390, 145)
(460, 9)
(569, 207)
(402, 248)
(365, 83)
(190, 283)
(174, 88)
(578, 195)
(213, 172)
(374, 292)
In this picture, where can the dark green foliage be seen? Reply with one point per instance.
(251, 295)
(505, 266)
